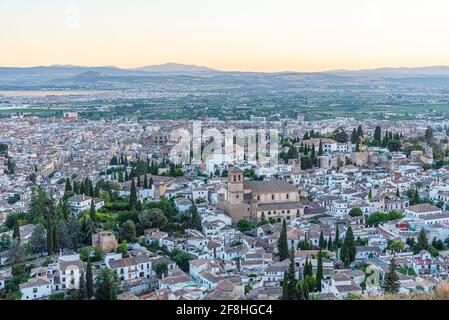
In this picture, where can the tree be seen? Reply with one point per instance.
(152, 218)
(354, 136)
(397, 193)
(340, 135)
(89, 281)
(337, 238)
(356, 212)
(397, 246)
(283, 242)
(128, 231)
(195, 219)
(50, 239)
(348, 249)
(106, 285)
(360, 131)
(306, 136)
(378, 134)
(82, 292)
(68, 186)
(290, 291)
(330, 245)
(145, 182)
(429, 135)
(74, 233)
(312, 154)
(38, 239)
(181, 258)
(5, 242)
(422, 240)
(391, 281)
(161, 269)
(87, 229)
(321, 242)
(244, 225)
(16, 252)
(92, 211)
(320, 150)
(16, 231)
(319, 271)
(133, 195)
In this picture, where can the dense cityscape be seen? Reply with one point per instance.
(218, 159)
(103, 209)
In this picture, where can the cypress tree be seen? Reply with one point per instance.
(310, 269)
(82, 292)
(282, 242)
(305, 271)
(285, 286)
(321, 241)
(378, 134)
(319, 271)
(150, 186)
(391, 282)
(348, 249)
(89, 281)
(320, 151)
(306, 289)
(92, 212)
(55, 239)
(16, 231)
(133, 196)
(145, 182)
(49, 239)
(97, 189)
(337, 238)
(422, 240)
(360, 131)
(139, 182)
(330, 245)
(68, 186)
(292, 282)
(354, 136)
(75, 189)
(82, 190)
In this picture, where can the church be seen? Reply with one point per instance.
(258, 200)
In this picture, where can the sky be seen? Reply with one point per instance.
(245, 35)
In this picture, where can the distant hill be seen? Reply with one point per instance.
(176, 68)
(70, 76)
(396, 72)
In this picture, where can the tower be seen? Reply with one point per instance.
(235, 186)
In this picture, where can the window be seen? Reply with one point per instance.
(272, 197)
(34, 290)
(287, 196)
(258, 197)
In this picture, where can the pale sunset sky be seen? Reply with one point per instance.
(246, 35)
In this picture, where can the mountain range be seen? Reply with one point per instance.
(69, 76)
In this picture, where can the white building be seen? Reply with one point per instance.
(35, 288)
